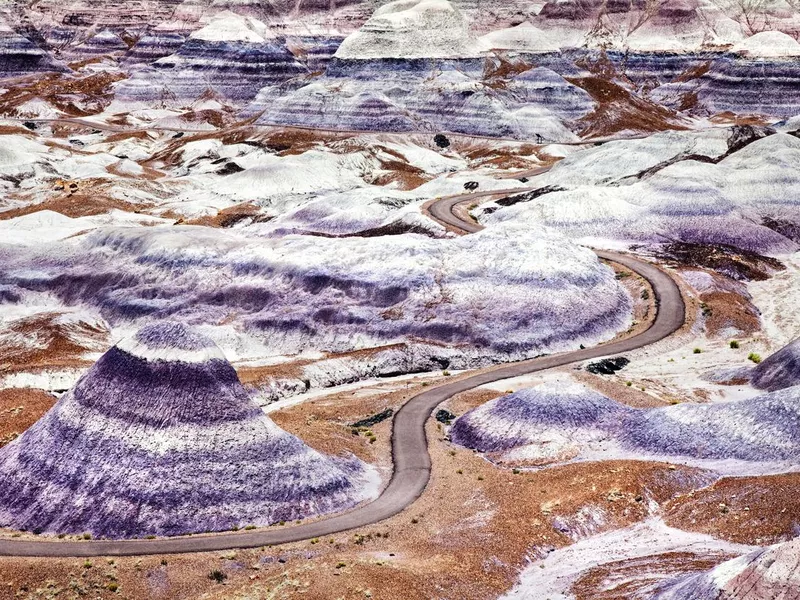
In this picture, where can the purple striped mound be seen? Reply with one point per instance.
(566, 421)
(160, 438)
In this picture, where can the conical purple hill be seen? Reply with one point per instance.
(160, 438)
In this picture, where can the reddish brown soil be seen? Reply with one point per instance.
(729, 118)
(61, 90)
(694, 72)
(14, 130)
(38, 342)
(724, 310)
(19, 409)
(748, 510)
(620, 110)
(226, 217)
(630, 578)
(403, 175)
(78, 198)
(499, 68)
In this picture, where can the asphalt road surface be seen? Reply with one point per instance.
(412, 463)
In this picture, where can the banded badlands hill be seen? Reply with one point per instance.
(415, 299)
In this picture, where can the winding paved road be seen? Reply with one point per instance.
(412, 463)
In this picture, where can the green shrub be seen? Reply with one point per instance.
(756, 358)
(697, 351)
(734, 344)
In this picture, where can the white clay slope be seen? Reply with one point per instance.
(411, 29)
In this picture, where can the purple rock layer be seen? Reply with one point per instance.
(234, 70)
(762, 429)
(550, 295)
(767, 86)
(160, 438)
(428, 95)
(154, 45)
(779, 371)
(104, 43)
(19, 56)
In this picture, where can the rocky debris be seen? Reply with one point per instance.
(374, 419)
(160, 438)
(528, 196)
(444, 416)
(732, 262)
(608, 366)
(744, 135)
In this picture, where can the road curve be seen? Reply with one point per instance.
(412, 463)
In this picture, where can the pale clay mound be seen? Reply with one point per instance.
(230, 27)
(525, 38)
(411, 29)
(668, 189)
(768, 44)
